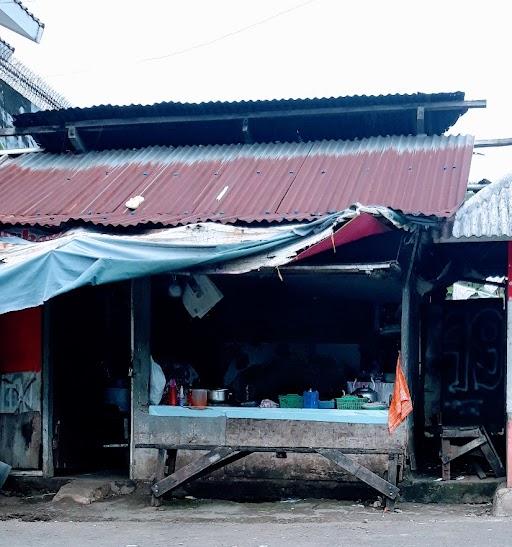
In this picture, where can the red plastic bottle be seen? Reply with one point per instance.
(173, 395)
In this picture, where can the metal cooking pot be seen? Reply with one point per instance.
(218, 395)
(367, 392)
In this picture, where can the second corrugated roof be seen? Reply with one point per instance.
(236, 183)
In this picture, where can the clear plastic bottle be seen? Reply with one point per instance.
(181, 397)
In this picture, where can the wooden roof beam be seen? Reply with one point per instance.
(103, 124)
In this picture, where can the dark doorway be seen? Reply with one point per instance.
(473, 363)
(90, 357)
(464, 374)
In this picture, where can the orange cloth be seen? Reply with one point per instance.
(401, 403)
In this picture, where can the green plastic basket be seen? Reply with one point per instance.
(350, 402)
(291, 401)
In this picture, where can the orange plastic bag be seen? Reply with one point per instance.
(401, 403)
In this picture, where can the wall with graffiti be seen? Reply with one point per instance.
(20, 388)
(465, 363)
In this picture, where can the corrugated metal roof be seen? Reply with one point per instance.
(486, 215)
(236, 183)
(17, 18)
(28, 12)
(170, 108)
(221, 122)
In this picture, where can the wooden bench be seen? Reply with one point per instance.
(473, 438)
(227, 440)
(167, 478)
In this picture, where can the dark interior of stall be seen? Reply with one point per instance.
(278, 333)
(90, 361)
(272, 335)
(463, 350)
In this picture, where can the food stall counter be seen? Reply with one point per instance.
(378, 417)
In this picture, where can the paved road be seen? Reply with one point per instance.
(130, 521)
(467, 533)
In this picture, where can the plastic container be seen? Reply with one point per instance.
(310, 399)
(350, 402)
(327, 404)
(291, 400)
(173, 394)
(199, 398)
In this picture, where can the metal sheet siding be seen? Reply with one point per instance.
(486, 215)
(245, 183)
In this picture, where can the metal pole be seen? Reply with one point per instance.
(508, 399)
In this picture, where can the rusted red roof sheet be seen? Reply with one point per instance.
(420, 175)
(359, 227)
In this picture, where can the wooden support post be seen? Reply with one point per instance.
(166, 458)
(47, 396)
(508, 399)
(171, 461)
(409, 361)
(446, 449)
(159, 474)
(392, 478)
(141, 368)
(141, 351)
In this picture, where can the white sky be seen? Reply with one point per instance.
(96, 52)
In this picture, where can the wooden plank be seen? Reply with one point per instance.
(460, 432)
(478, 468)
(493, 459)
(392, 266)
(249, 432)
(204, 465)
(302, 467)
(20, 440)
(254, 448)
(47, 394)
(362, 473)
(158, 430)
(392, 478)
(458, 451)
(492, 456)
(105, 124)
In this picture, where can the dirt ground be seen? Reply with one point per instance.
(131, 521)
